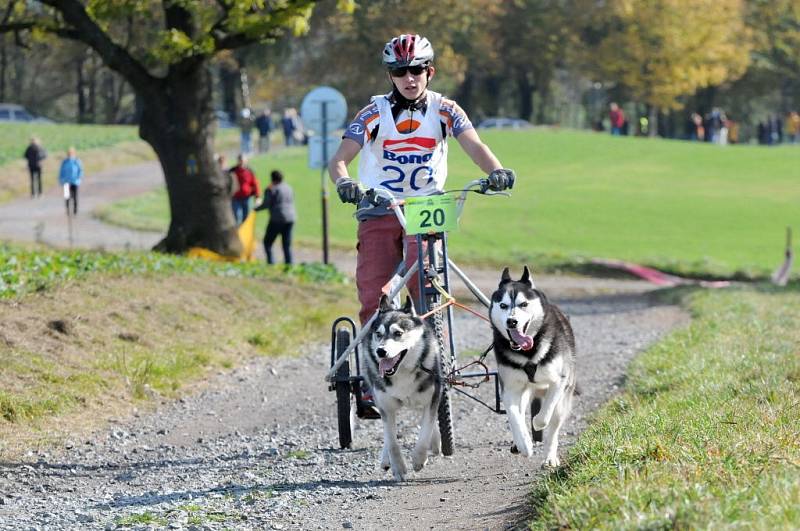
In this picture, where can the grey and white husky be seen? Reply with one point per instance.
(535, 350)
(403, 368)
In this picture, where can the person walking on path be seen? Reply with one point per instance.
(247, 187)
(264, 126)
(289, 125)
(69, 176)
(35, 154)
(246, 123)
(279, 200)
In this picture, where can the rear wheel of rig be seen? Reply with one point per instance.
(343, 394)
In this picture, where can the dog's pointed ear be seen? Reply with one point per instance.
(505, 277)
(385, 305)
(527, 278)
(408, 307)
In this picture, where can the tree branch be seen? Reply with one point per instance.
(230, 41)
(86, 30)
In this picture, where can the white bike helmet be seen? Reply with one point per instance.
(407, 50)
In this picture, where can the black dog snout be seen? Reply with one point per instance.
(381, 352)
(511, 323)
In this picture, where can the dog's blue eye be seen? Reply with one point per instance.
(523, 305)
(398, 334)
(503, 306)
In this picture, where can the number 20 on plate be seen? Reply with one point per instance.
(434, 213)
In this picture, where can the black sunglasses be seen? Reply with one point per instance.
(403, 70)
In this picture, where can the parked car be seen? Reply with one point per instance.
(504, 123)
(11, 112)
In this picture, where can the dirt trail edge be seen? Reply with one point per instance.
(258, 449)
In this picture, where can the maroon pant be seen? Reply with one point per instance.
(381, 242)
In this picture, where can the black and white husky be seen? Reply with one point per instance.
(535, 350)
(403, 368)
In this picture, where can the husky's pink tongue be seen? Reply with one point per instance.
(524, 342)
(387, 364)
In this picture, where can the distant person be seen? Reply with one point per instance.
(264, 126)
(762, 133)
(617, 118)
(289, 125)
(774, 130)
(247, 187)
(733, 129)
(279, 200)
(69, 176)
(696, 129)
(716, 128)
(246, 124)
(793, 128)
(644, 125)
(35, 155)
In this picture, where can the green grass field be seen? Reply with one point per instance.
(56, 138)
(705, 435)
(684, 207)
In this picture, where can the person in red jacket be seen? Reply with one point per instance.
(247, 188)
(617, 118)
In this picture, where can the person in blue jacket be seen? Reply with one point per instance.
(70, 176)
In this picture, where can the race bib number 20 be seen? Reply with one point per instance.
(435, 213)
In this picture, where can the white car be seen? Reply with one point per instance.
(11, 112)
(504, 123)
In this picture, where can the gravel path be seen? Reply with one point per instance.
(258, 448)
(44, 219)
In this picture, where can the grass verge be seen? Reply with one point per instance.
(706, 434)
(123, 330)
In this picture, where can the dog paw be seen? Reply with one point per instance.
(539, 422)
(526, 449)
(551, 462)
(385, 464)
(418, 461)
(399, 471)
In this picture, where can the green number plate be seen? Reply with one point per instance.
(434, 213)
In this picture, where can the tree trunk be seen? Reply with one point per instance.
(3, 67)
(92, 83)
(493, 86)
(464, 93)
(525, 95)
(229, 81)
(652, 122)
(177, 121)
(79, 89)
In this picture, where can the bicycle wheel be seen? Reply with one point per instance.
(445, 413)
(343, 395)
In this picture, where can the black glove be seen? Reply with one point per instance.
(348, 190)
(501, 179)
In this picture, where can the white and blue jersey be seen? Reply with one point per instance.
(405, 151)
